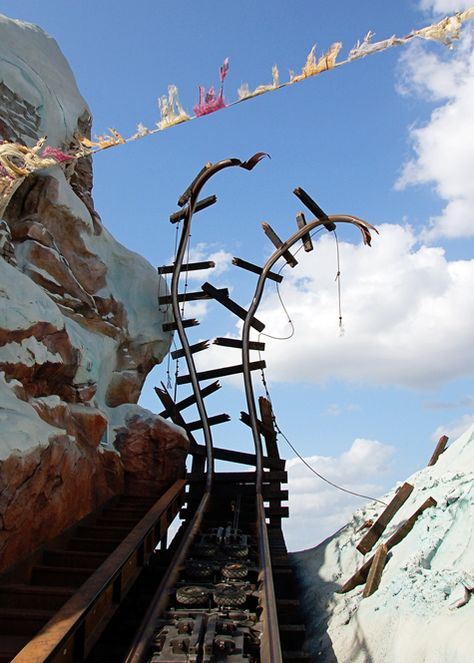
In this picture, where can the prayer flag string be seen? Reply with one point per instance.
(18, 161)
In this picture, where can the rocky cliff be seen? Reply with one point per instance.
(80, 327)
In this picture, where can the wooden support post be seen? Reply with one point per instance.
(376, 570)
(360, 576)
(375, 532)
(440, 447)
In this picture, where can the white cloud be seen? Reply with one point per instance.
(317, 509)
(407, 313)
(444, 146)
(203, 251)
(445, 6)
(453, 429)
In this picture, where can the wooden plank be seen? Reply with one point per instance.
(237, 343)
(439, 449)
(376, 570)
(269, 491)
(197, 347)
(240, 477)
(220, 372)
(230, 305)
(187, 267)
(187, 402)
(313, 207)
(255, 269)
(241, 457)
(172, 326)
(277, 511)
(306, 239)
(360, 576)
(375, 532)
(191, 296)
(276, 241)
(200, 205)
(212, 421)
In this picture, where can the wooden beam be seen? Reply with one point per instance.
(241, 457)
(191, 296)
(200, 205)
(439, 449)
(276, 241)
(313, 207)
(241, 477)
(375, 532)
(306, 239)
(187, 267)
(230, 305)
(376, 570)
(212, 421)
(187, 402)
(237, 343)
(220, 372)
(268, 429)
(360, 576)
(255, 269)
(172, 326)
(197, 347)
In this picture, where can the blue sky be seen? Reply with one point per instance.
(387, 138)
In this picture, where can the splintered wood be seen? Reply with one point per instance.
(375, 532)
(361, 575)
(376, 570)
(439, 449)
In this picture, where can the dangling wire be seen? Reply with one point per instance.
(265, 384)
(303, 460)
(338, 281)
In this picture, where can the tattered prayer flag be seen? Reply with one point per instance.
(171, 111)
(209, 102)
(18, 161)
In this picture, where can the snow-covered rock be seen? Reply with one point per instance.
(80, 326)
(421, 612)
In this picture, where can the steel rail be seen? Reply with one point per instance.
(270, 641)
(191, 195)
(143, 636)
(139, 648)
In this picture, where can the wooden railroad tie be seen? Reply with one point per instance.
(200, 205)
(360, 576)
(375, 532)
(276, 241)
(187, 267)
(249, 266)
(313, 207)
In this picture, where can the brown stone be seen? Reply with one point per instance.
(153, 453)
(47, 490)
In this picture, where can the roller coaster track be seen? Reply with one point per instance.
(223, 589)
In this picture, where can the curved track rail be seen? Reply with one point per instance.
(234, 620)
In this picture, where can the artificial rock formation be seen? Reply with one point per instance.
(80, 327)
